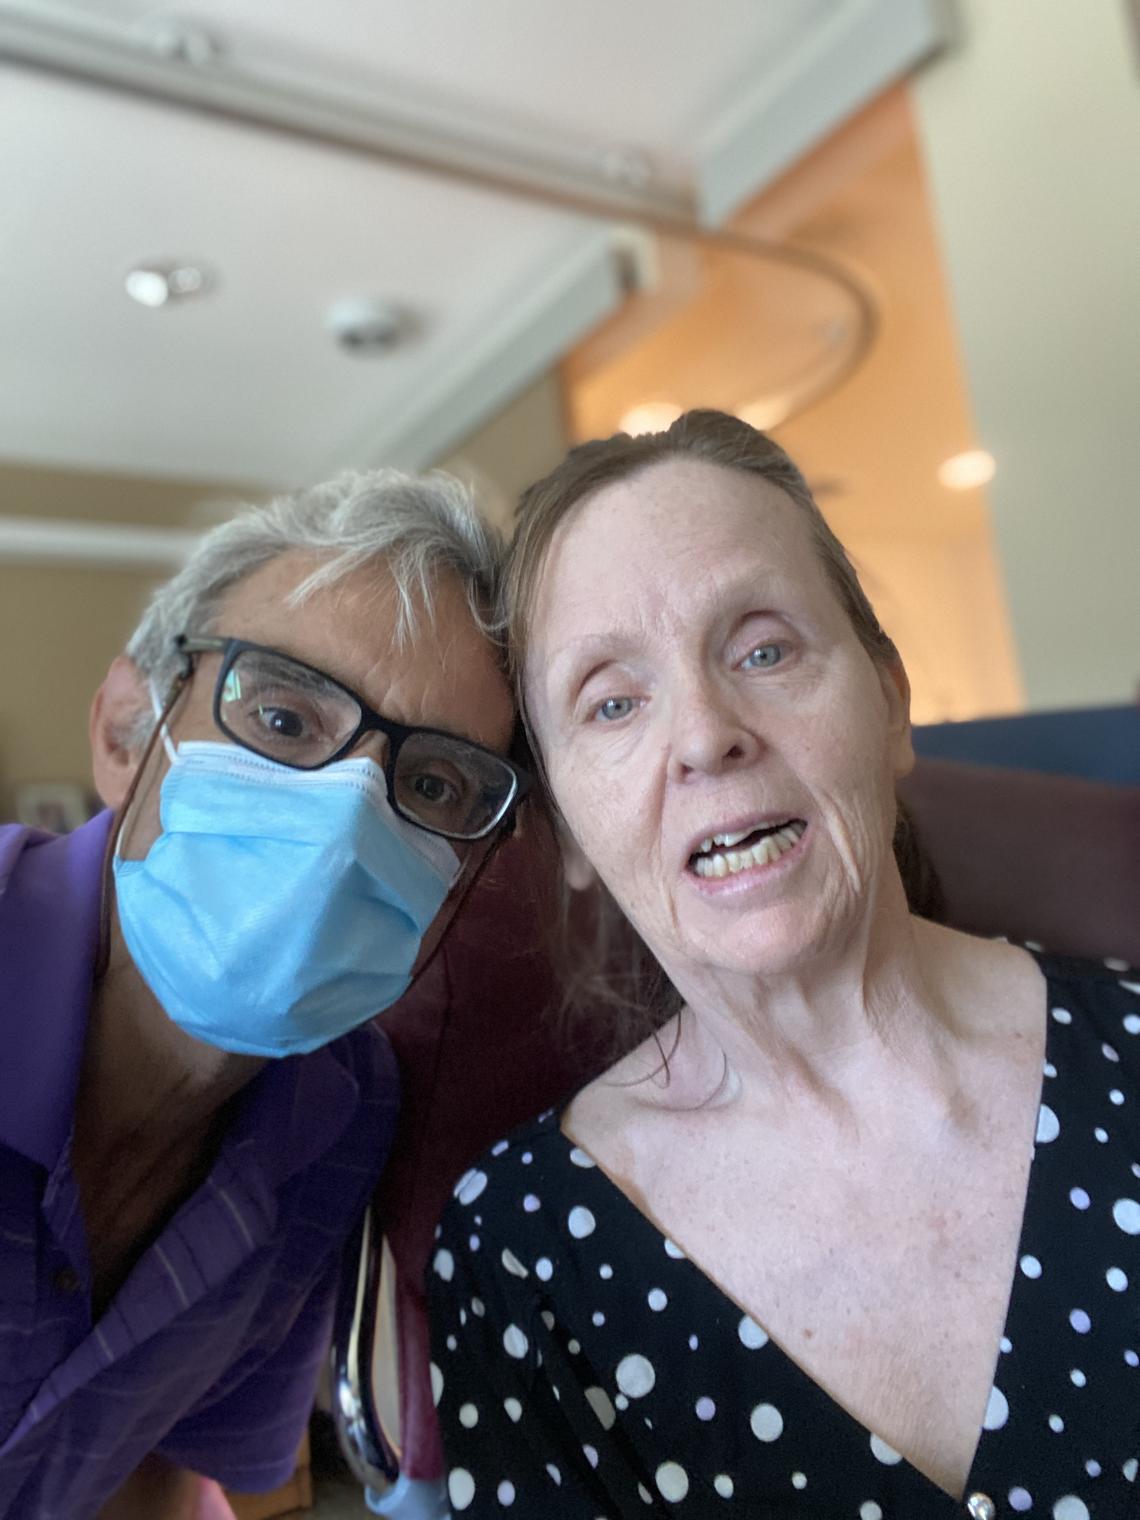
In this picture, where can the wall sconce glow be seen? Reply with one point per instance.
(964, 472)
(649, 417)
(766, 413)
(160, 283)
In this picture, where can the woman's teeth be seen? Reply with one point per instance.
(725, 861)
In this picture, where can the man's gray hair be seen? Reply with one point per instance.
(419, 525)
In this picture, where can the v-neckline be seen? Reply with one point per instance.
(972, 1480)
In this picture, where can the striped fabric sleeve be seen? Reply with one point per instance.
(249, 1438)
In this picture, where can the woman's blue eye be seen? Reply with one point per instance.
(763, 656)
(613, 708)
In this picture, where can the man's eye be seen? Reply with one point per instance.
(762, 657)
(613, 708)
(283, 722)
(433, 789)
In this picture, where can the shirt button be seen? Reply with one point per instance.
(981, 1507)
(66, 1280)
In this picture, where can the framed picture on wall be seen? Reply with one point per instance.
(58, 806)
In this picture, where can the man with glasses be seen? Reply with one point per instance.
(304, 759)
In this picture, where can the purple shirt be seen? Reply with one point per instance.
(210, 1351)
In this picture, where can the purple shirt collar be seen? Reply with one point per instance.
(49, 934)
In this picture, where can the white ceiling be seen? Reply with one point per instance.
(245, 383)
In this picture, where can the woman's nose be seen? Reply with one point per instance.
(708, 735)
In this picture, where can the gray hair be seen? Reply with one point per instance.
(420, 525)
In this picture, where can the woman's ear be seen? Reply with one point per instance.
(579, 873)
(896, 689)
(113, 723)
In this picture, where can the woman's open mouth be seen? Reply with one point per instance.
(729, 854)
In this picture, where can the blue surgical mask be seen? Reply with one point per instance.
(278, 908)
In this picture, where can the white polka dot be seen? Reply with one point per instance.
(467, 1189)
(1077, 1378)
(1079, 1198)
(672, 1481)
(1080, 1321)
(1116, 1097)
(444, 1265)
(674, 1250)
(620, 1401)
(1130, 1469)
(1132, 1023)
(1069, 1507)
(694, 1342)
(526, 1158)
(547, 1319)
(643, 1494)
(1092, 1467)
(1049, 1069)
(605, 1271)
(1048, 1125)
(598, 1317)
(473, 1242)
(460, 1487)
(1006, 1344)
(1132, 1359)
(505, 1493)
(705, 1408)
(798, 1480)
(887, 1455)
(724, 1485)
(1101, 1135)
(1109, 1053)
(531, 1204)
(751, 1334)
(767, 1422)
(515, 1342)
(1136, 1169)
(591, 1454)
(1130, 986)
(635, 1376)
(573, 1346)
(1062, 1015)
(1020, 1499)
(555, 1475)
(997, 1410)
(581, 1222)
(452, 1343)
(870, 1511)
(657, 1300)
(1056, 1424)
(514, 1410)
(1030, 1266)
(436, 1383)
(468, 1416)
(544, 1269)
(580, 1158)
(1114, 963)
(1126, 1212)
(513, 1265)
(599, 1401)
(499, 1147)
(1116, 1279)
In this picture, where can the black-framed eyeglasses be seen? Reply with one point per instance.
(289, 712)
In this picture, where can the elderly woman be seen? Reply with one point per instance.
(828, 1244)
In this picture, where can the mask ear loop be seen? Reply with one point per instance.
(177, 686)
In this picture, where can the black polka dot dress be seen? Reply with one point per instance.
(582, 1366)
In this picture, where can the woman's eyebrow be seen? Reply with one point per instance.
(576, 661)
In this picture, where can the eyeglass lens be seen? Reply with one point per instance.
(297, 717)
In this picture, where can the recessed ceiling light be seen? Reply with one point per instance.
(649, 417)
(160, 282)
(964, 472)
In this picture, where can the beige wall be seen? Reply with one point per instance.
(514, 449)
(1031, 136)
(61, 626)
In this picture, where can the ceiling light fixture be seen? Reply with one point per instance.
(649, 417)
(161, 282)
(372, 325)
(965, 472)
